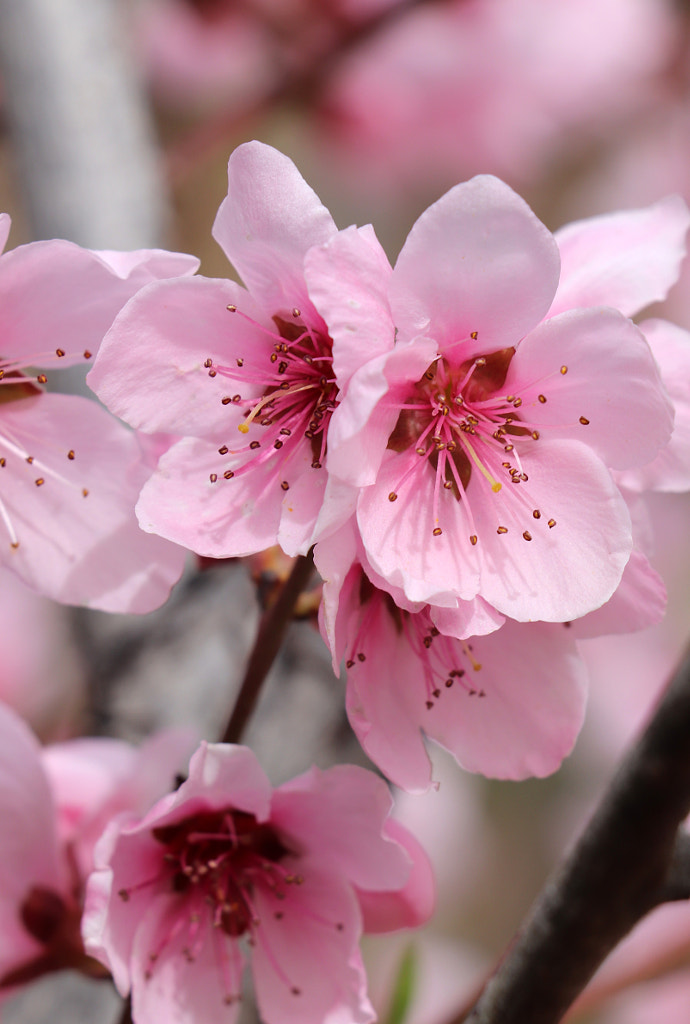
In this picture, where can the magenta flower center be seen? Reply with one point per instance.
(462, 424)
(297, 395)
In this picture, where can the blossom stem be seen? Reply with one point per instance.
(268, 640)
(630, 858)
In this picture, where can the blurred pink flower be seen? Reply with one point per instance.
(53, 803)
(292, 870)
(70, 473)
(483, 440)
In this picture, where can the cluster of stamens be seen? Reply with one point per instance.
(17, 384)
(297, 394)
(461, 423)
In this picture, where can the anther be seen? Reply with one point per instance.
(208, 363)
(564, 369)
(517, 403)
(349, 663)
(224, 450)
(213, 477)
(42, 379)
(502, 529)
(226, 401)
(231, 308)
(473, 539)
(30, 459)
(296, 312)
(84, 492)
(240, 362)
(527, 535)
(39, 481)
(420, 451)
(3, 462)
(535, 435)
(552, 523)
(584, 421)
(392, 496)
(254, 445)
(448, 484)
(212, 373)
(542, 398)
(480, 362)
(87, 354)
(361, 657)
(228, 474)
(277, 444)
(437, 531)
(285, 485)
(536, 514)
(70, 454)
(59, 352)
(474, 335)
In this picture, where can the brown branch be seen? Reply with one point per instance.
(126, 1015)
(630, 858)
(300, 83)
(268, 640)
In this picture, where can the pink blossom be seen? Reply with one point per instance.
(53, 803)
(508, 703)
(249, 378)
(485, 437)
(63, 460)
(226, 857)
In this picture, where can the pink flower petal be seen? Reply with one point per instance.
(590, 375)
(267, 223)
(478, 260)
(638, 602)
(408, 907)
(626, 260)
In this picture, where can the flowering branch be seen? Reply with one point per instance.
(630, 858)
(297, 83)
(268, 640)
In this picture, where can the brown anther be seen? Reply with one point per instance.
(349, 663)
(552, 523)
(428, 641)
(437, 531)
(523, 476)
(294, 990)
(584, 421)
(212, 373)
(70, 454)
(226, 401)
(502, 529)
(480, 362)
(420, 451)
(224, 450)
(285, 485)
(14, 544)
(231, 308)
(429, 704)
(30, 459)
(542, 398)
(527, 535)
(254, 445)
(208, 363)
(508, 447)
(535, 435)
(392, 496)
(274, 357)
(84, 492)
(506, 465)
(123, 894)
(39, 481)
(449, 683)
(59, 352)
(238, 398)
(282, 366)
(473, 539)
(228, 474)
(436, 694)
(316, 464)
(448, 484)
(87, 354)
(510, 398)
(517, 403)
(361, 657)
(564, 369)
(474, 335)
(296, 312)
(42, 379)
(3, 462)
(213, 477)
(240, 362)
(277, 444)
(285, 431)
(536, 514)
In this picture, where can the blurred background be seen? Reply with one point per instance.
(116, 121)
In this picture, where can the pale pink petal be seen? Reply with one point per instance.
(75, 548)
(185, 983)
(334, 559)
(441, 568)
(478, 260)
(348, 283)
(565, 570)
(670, 470)
(408, 907)
(141, 266)
(609, 396)
(304, 961)
(528, 706)
(28, 845)
(54, 294)
(626, 260)
(314, 806)
(150, 370)
(638, 602)
(468, 618)
(267, 223)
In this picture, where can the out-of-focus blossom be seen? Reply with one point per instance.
(249, 376)
(69, 473)
(298, 871)
(452, 89)
(53, 802)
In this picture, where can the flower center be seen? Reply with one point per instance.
(462, 425)
(298, 393)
